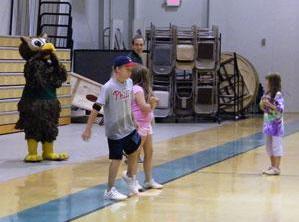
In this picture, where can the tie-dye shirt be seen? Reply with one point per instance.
(273, 120)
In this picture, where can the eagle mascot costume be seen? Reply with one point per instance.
(39, 107)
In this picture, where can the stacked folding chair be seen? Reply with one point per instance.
(206, 66)
(183, 79)
(162, 66)
(184, 64)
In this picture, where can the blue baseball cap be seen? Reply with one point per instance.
(123, 61)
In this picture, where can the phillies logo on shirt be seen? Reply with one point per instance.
(121, 95)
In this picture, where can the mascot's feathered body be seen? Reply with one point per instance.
(39, 107)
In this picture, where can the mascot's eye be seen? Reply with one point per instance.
(37, 43)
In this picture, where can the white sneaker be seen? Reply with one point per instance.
(152, 185)
(140, 188)
(272, 171)
(131, 182)
(269, 168)
(113, 194)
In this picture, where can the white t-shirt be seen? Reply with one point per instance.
(117, 98)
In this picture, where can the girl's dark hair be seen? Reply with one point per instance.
(140, 77)
(274, 81)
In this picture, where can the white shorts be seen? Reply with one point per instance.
(274, 146)
(145, 130)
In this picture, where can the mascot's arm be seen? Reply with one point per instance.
(33, 74)
(60, 74)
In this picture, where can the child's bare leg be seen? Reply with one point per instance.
(148, 156)
(113, 170)
(272, 158)
(140, 153)
(132, 167)
(132, 164)
(143, 138)
(277, 160)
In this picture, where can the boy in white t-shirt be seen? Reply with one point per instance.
(116, 97)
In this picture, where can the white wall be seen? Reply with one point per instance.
(5, 16)
(89, 20)
(120, 10)
(85, 23)
(90, 17)
(190, 12)
(245, 23)
(24, 17)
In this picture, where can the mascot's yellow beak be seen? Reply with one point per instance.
(48, 47)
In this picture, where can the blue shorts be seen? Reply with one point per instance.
(127, 145)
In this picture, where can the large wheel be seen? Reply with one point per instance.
(250, 78)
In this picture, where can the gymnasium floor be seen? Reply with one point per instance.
(211, 173)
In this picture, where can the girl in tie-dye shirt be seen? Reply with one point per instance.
(272, 104)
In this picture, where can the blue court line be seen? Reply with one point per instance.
(91, 199)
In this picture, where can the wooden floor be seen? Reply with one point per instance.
(224, 189)
(233, 190)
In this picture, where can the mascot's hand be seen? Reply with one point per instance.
(37, 56)
(54, 58)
